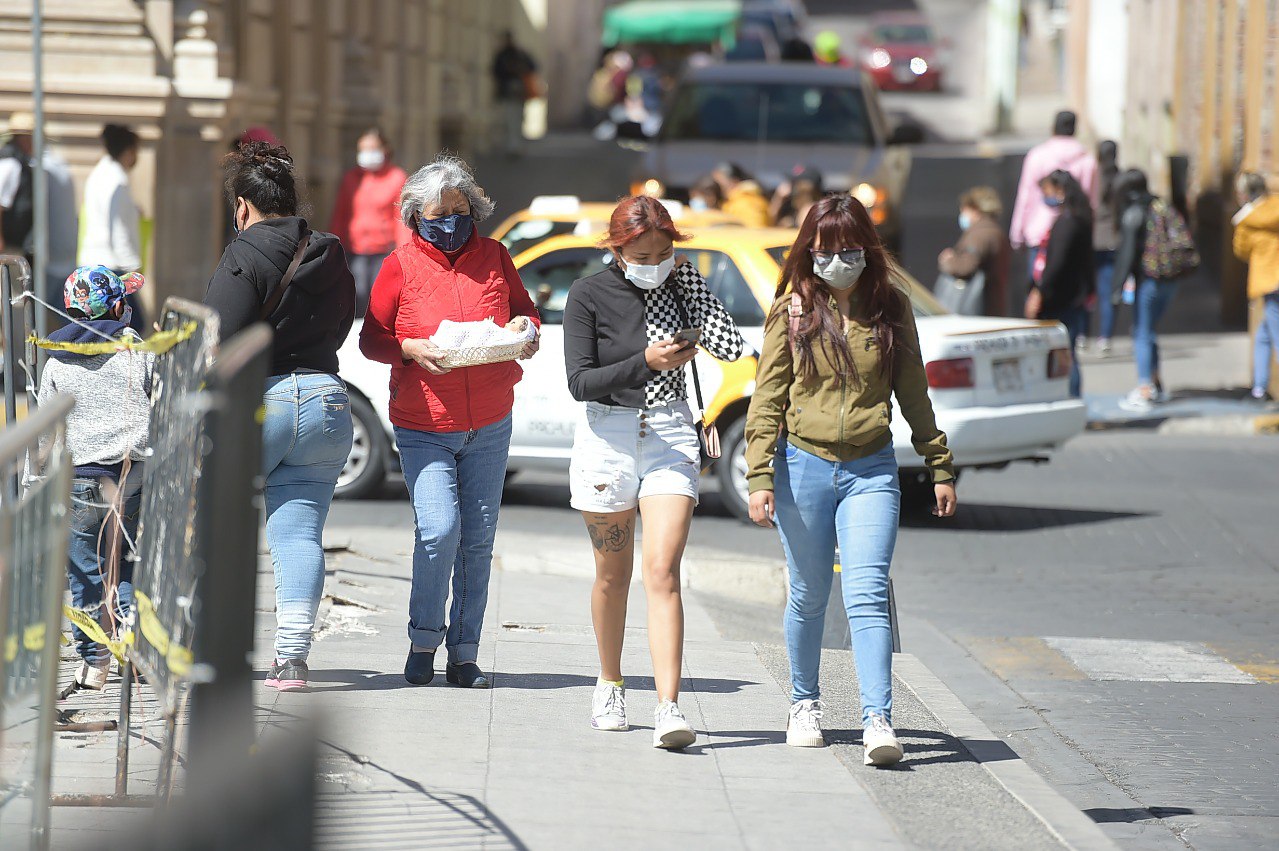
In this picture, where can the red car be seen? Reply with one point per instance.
(901, 54)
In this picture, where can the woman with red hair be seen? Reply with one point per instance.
(839, 342)
(629, 331)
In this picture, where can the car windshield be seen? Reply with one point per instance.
(922, 302)
(777, 112)
(526, 234)
(904, 34)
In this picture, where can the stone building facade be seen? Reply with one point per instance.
(190, 75)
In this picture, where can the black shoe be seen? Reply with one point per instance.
(467, 675)
(419, 669)
(288, 675)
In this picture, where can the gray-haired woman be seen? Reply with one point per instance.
(452, 426)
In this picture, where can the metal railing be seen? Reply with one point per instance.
(33, 552)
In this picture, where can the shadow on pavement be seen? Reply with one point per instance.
(923, 747)
(1113, 815)
(557, 681)
(988, 517)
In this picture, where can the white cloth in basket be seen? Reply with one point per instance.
(484, 334)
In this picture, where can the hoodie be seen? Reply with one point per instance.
(112, 413)
(1032, 218)
(316, 312)
(1257, 244)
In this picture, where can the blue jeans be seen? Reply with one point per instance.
(1105, 263)
(1076, 321)
(306, 439)
(1267, 345)
(92, 527)
(854, 503)
(1153, 298)
(455, 481)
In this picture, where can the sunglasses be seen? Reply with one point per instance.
(848, 255)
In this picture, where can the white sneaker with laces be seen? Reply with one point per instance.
(92, 677)
(608, 707)
(804, 728)
(880, 742)
(670, 729)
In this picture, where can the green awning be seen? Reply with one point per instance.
(671, 22)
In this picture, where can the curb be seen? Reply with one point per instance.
(1062, 818)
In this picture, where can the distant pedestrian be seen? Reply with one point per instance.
(366, 214)
(112, 222)
(452, 426)
(1256, 243)
(1105, 239)
(279, 271)
(1068, 275)
(1032, 217)
(795, 197)
(840, 341)
(705, 195)
(107, 438)
(982, 254)
(17, 188)
(795, 49)
(1155, 250)
(744, 200)
(629, 331)
(829, 49)
(513, 71)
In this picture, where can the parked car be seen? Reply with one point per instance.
(769, 118)
(901, 53)
(999, 386)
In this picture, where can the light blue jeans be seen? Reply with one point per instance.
(855, 504)
(1267, 345)
(1153, 298)
(306, 439)
(455, 481)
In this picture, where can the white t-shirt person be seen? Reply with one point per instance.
(112, 236)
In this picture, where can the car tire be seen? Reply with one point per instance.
(730, 470)
(365, 471)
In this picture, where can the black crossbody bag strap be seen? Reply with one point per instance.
(273, 302)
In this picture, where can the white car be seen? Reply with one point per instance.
(999, 386)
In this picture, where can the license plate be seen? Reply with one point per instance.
(903, 74)
(1008, 376)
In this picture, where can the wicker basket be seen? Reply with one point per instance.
(478, 355)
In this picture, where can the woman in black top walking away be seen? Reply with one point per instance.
(1068, 276)
(279, 271)
(629, 331)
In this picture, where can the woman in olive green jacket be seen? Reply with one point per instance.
(838, 343)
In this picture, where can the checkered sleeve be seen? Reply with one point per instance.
(720, 336)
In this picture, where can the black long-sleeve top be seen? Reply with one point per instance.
(1069, 275)
(609, 322)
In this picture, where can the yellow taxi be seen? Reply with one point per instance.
(999, 386)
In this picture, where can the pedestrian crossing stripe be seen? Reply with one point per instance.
(1133, 660)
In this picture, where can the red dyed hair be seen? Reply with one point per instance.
(636, 216)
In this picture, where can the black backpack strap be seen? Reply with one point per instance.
(273, 302)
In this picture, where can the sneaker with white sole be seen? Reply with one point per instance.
(1139, 401)
(92, 677)
(608, 707)
(804, 727)
(670, 729)
(880, 742)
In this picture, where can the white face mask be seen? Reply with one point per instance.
(840, 275)
(649, 277)
(370, 160)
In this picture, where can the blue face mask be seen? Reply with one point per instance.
(1052, 201)
(964, 221)
(447, 233)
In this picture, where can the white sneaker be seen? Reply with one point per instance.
(804, 728)
(670, 729)
(880, 742)
(92, 677)
(1138, 402)
(608, 707)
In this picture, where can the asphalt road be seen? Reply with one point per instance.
(1113, 614)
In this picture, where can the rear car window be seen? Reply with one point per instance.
(775, 112)
(526, 234)
(922, 302)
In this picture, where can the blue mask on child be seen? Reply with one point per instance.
(964, 221)
(447, 233)
(1052, 201)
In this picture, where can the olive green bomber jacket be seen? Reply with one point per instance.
(831, 416)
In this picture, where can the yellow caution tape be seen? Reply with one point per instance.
(33, 637)
(158, 343)
(90, 626)
(179, 658)
(11, 648)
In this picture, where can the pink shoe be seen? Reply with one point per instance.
(288, 675)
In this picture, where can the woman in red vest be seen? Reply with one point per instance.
(452, 426)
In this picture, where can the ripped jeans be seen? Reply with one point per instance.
(92, 527)
(621, 455)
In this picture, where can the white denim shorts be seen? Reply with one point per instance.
(621, 455)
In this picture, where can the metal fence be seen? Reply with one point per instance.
(168, 535)
(33, 544)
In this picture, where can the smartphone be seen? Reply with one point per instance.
(688, 335)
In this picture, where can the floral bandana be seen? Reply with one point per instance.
(94, 290)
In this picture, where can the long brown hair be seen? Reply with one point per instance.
(841, 221)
